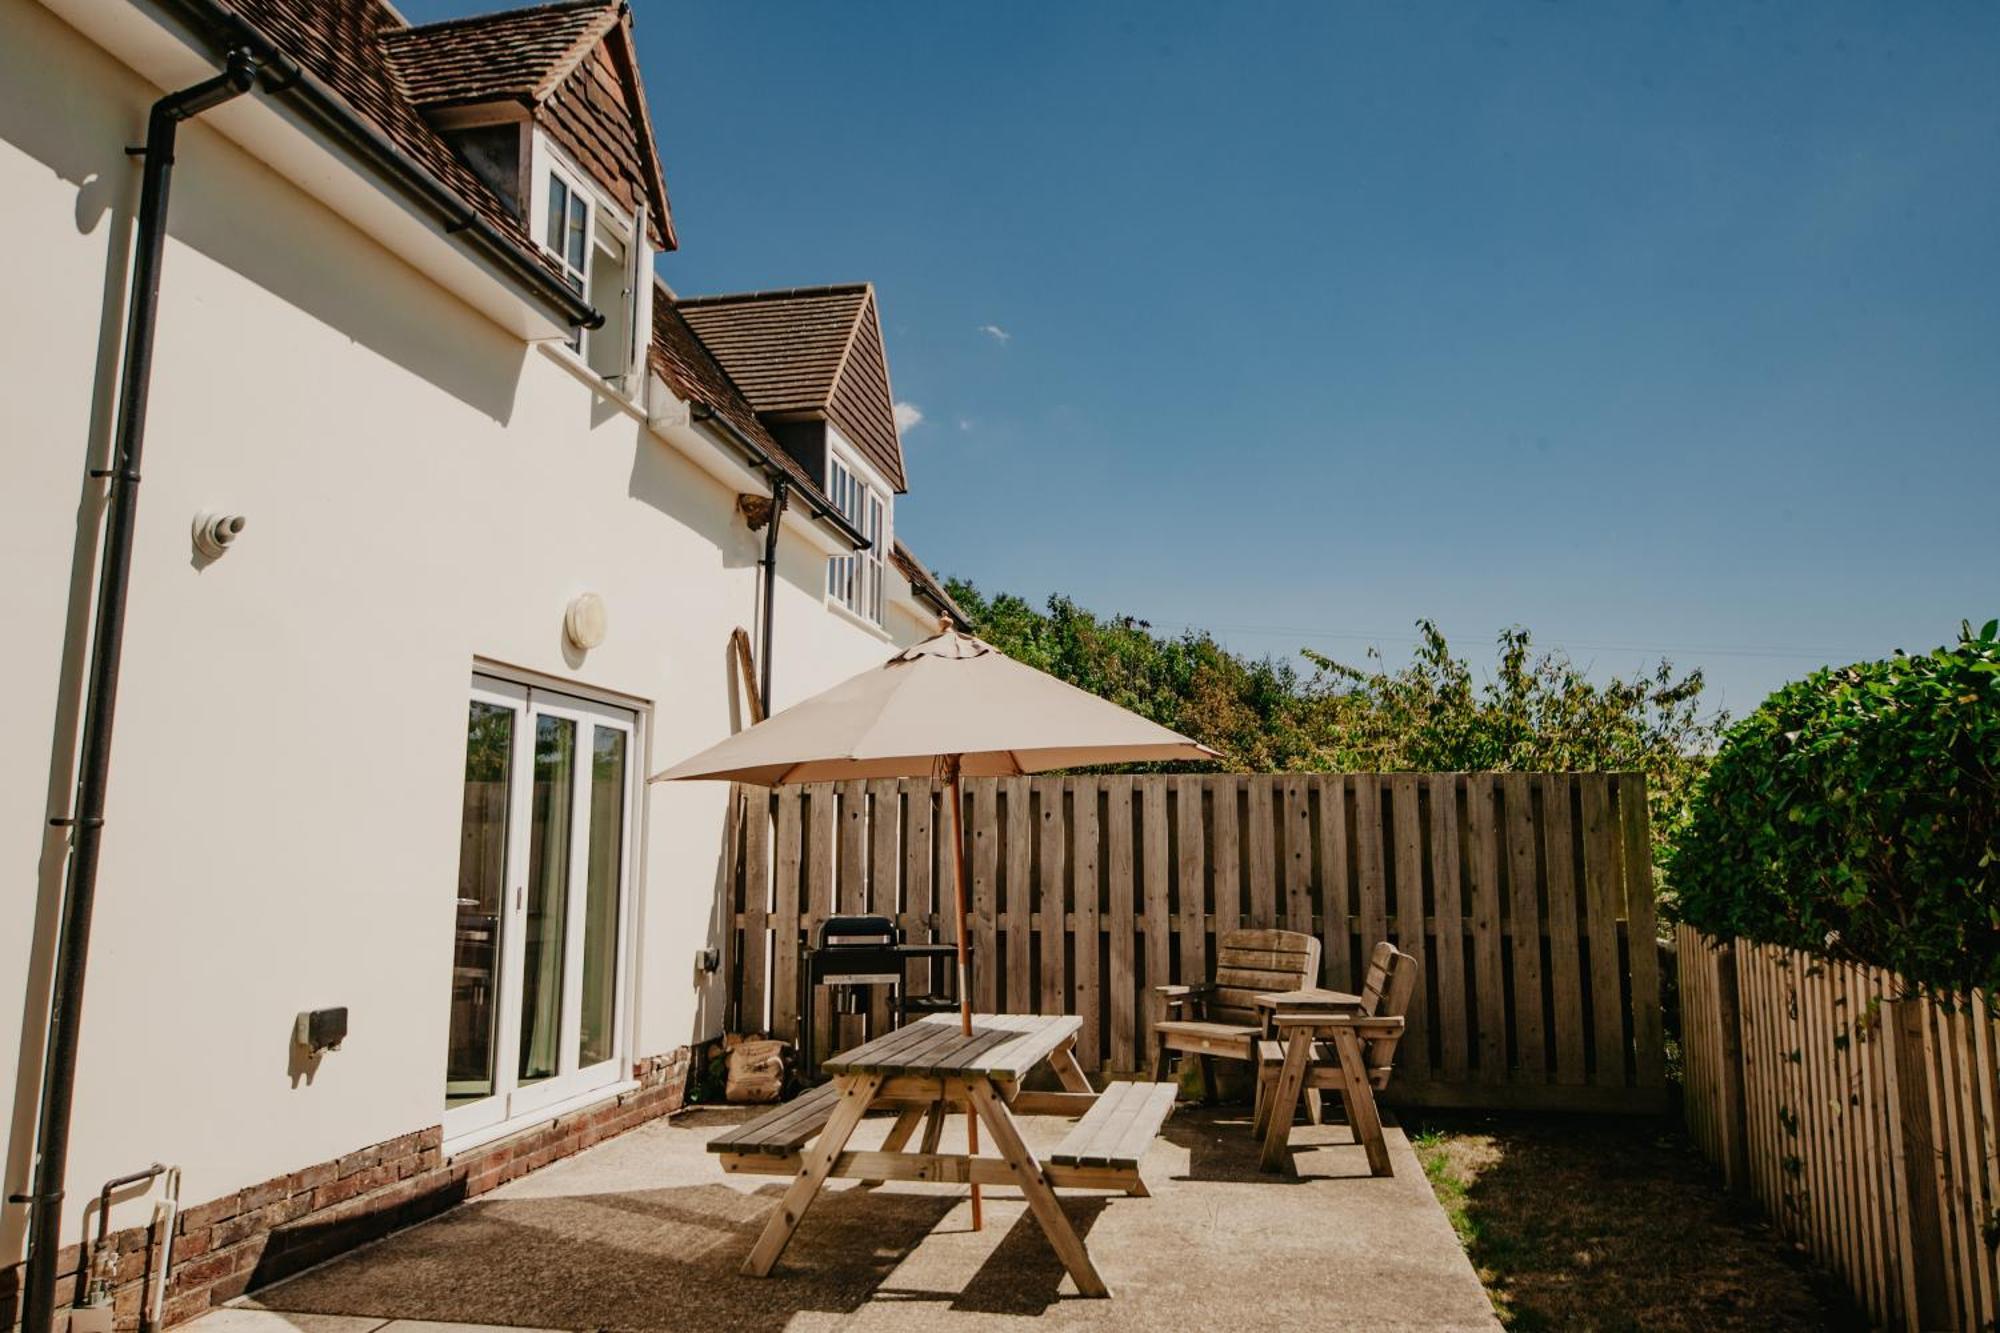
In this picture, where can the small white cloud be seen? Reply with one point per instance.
(908, 416)
(996, 333)
(965, 423)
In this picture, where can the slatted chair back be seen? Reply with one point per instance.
(1251, 962)
(1391, 981)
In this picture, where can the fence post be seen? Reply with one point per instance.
(1733, 1109)
(1926, 1286)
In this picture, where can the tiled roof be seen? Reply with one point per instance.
(514, 54)
(572, 63)
(692, 372)
(809, 351)
(925, 584)
(340, 43)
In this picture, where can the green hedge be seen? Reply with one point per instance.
(1856, 813)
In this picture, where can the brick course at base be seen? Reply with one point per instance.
(225, 1247)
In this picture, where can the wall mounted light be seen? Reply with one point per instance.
(585, 622)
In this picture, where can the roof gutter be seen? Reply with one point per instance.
(220, 29)
(705, 414)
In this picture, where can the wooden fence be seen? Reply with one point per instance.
(1085, 892)
(1863, 1121)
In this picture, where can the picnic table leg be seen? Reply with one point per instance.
(899, 1135)
(1035, 1188)
(856, 1091)
(1068, 1071)
(1284, 1099)
(1360, 1096)
(934, 1126)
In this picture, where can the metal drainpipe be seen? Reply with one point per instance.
(781, 489)
(86, 821)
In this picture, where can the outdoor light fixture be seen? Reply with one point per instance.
(585, 622)
(214, 533)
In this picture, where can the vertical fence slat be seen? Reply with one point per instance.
(1295, 853)
(1566, 975)
(1226, 860)
(756, 909)
(821, 831)
(1085, 872)
(1189, 832)
(1525, 914)
(1336, 897)
(1020, 896)
(1642, 925)
(1604, 904)
(1120, 922)
(785, 890)
(1054, 845)
(919, 889)
(1448, 910)
(1154, 871)
(1413, 1057)
(984, 854)
(1260, 838)
(1371, 878)
(1482, 831)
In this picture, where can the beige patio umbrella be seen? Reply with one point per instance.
(952, 706)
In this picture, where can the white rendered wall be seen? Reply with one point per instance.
(423, 492)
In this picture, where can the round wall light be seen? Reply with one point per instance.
(585, 622)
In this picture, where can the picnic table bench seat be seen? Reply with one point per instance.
(1118, 1129)
(782, 1130)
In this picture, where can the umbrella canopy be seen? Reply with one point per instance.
(952, 696)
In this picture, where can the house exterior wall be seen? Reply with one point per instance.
(424, 492)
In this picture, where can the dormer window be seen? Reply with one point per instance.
(603, 258)
(856, 580)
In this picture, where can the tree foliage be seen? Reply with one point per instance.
(1857, 813)
(1537, 711)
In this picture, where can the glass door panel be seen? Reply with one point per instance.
(482, 898)
(547, 911)
(597, 1040)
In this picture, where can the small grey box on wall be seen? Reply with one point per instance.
(321, 1029)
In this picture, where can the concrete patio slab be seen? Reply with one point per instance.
(645, 1232)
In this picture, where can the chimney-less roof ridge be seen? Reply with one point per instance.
(496, 15)
(780, 293)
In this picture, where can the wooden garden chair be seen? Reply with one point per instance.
(1352, 1052)
(1218, 1019)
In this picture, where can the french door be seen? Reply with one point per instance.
(545, 851)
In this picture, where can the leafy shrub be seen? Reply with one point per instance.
(1856, 813)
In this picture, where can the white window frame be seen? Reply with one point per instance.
(857, 582)
(602, 217)
(512, 1104)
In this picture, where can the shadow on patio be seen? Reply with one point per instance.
(645, 1232)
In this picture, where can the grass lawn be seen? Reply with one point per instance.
(1581, 1222)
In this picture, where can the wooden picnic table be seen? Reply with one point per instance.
(928, 1070)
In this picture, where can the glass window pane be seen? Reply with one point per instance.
(482, 896)
(558, 210)
(579, 233)
(548, 897)
(600, 911)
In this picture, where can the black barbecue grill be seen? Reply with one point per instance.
(855, 954)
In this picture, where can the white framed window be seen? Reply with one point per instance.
(540, 963)
(856, 580)
(604, 257)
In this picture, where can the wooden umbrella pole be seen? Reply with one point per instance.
(953, 795)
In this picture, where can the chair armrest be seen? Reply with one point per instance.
(1170, 998)
(1364, 1023)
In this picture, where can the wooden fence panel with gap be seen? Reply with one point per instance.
(1864, 1118)
(1518, 893)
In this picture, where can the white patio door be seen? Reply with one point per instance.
(539, 960)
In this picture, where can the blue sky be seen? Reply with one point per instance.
(1653, 328)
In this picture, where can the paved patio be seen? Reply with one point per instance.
(645, 1232)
